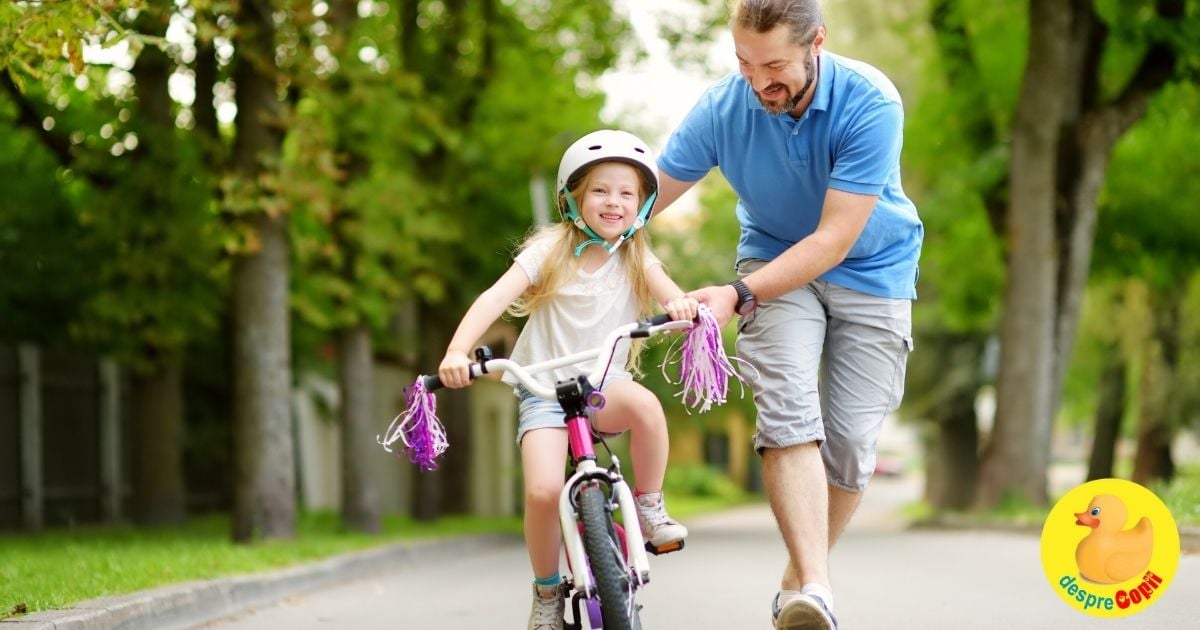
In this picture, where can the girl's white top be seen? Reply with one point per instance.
(577, 318)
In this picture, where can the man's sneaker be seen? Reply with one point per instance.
(802, 612)
(547, 613)
(658, 528)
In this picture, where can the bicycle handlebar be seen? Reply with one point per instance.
(643, 328)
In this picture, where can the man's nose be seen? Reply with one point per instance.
(760, 80)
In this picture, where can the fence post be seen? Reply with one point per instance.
(29, 367)
(110, 440)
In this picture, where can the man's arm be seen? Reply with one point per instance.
(669, 189)
(842, 220)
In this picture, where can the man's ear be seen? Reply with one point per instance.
(818, 44)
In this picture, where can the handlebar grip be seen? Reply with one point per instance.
(431, 382)
(657, 320)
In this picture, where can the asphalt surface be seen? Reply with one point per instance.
(885, 576)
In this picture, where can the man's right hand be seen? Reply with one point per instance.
(455, 370)
(720, 298)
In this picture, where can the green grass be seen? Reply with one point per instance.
(60, 567)
(1182, 495)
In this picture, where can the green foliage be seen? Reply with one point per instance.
(35, 37)
(42, 278)
(1148, 227)
(699, 480)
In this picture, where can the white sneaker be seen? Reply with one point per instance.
(802, 612)
(548, 605)
(658, 528)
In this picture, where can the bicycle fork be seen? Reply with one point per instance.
(635, 544)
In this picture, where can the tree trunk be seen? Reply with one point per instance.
(1153, 461)
(446, 489)
(360, 499)
(952, 465)
(159, 495)
(1109, 412)
(1156, 429)
(265, 481)
(1017, 455)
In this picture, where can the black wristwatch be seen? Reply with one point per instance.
(746, 302)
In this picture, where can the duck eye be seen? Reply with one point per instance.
(1095, 511)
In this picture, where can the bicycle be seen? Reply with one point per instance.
(607, 559)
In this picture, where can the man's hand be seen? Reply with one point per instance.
(720, 298)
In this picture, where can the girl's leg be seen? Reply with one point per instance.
(631, 407)
(543, 457)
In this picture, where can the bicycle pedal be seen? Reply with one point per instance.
(667, 548)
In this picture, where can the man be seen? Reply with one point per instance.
(827, 266)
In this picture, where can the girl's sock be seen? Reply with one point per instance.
(553, 580)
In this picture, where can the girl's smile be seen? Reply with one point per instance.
(611, 198)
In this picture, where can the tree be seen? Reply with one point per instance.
(265, 480)
(141, 208)
(1148, 238)
(1071, 111)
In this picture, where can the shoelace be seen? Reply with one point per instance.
(545, 613)
(655, 514)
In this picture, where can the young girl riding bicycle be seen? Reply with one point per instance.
(576, 280)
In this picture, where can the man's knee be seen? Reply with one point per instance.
(849, 460)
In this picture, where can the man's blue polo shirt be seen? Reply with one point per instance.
(848, 139)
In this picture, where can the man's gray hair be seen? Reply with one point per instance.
(802, 17)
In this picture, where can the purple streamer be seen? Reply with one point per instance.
(704, 368)
(417, 428)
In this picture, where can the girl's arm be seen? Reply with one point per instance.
(486, 309)
(664, 289)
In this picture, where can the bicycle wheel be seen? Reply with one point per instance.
(607, 560)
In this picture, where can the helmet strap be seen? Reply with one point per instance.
(576, 218)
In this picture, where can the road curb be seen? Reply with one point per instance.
(1189, 535)
(189, 604)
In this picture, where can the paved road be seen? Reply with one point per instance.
(884, 577)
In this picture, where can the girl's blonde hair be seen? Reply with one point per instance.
(561, 264)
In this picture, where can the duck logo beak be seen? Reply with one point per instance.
(1087, 520)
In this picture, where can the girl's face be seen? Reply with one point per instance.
(611, 199)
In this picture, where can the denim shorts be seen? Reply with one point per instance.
(538, 413)
(856, 345)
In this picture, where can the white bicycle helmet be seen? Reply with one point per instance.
(606, 145)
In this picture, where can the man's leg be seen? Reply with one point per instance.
(794, 478)
(842, 504)
(866, 352)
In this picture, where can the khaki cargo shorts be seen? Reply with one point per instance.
(826, 347)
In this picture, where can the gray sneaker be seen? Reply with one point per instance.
(548, 605)
(802, 612)
(658, 528)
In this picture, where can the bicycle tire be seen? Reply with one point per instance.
(607, 561)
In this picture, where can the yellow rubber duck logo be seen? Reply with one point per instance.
(1115, 558)
(1110, 553)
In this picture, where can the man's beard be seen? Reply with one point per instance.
(790, 103)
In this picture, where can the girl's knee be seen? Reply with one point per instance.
(542, 496)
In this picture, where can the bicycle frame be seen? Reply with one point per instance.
(575, 397)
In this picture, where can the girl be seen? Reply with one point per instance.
(577, 280)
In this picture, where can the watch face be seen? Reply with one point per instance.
(747, 307)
